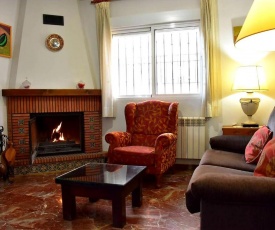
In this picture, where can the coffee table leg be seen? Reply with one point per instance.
(68, 204)
(137, 196)
(119, 212)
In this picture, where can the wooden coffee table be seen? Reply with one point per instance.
(102, 181)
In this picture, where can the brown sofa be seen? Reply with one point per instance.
(225, 191)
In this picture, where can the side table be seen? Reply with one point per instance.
(239, 130)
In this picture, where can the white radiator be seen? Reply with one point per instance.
(191, 137)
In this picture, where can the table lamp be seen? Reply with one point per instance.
(250, 79)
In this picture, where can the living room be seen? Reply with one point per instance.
(78, 60)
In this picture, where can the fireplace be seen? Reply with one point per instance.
(56, 133)
(34, 113)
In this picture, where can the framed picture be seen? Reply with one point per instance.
(5, 40)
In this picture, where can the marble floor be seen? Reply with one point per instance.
(34, 202)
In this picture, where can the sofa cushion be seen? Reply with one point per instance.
(226, 159)
(255, 146)
(224, 142)
(266, 163)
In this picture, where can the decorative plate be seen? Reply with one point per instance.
(54, 42)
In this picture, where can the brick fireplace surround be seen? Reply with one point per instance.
(22, 102)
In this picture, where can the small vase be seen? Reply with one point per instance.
(26, 84)
(80, 85)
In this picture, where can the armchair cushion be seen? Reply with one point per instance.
(255, 146)
(128, 155)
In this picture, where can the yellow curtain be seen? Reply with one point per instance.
(209, 26)
(104, 38)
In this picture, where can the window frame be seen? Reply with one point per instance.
(165, 26)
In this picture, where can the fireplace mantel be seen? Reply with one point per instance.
(50, 92)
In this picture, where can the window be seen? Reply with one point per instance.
(173, 69)
(132, 63)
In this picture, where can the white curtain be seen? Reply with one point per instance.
(212, 89)
(104, 38)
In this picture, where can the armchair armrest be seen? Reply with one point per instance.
(118, 139)
(230, 143)
(165, 140)
(238, 189)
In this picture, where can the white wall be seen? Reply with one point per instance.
(44, 68)
(78, 60)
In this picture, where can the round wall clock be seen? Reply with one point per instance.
(54, 42)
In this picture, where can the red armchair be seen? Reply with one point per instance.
(150, 137)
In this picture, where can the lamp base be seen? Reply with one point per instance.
(250, 125)
(250, 122)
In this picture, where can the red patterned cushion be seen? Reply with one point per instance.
(266, 164)
(255, 146)
(134, 155)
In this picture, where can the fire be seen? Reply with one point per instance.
(57, 135)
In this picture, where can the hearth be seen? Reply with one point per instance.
(56, 133)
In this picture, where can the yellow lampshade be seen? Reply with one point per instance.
(250, 79)
(258, 30)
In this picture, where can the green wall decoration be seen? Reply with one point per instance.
(5, 40)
